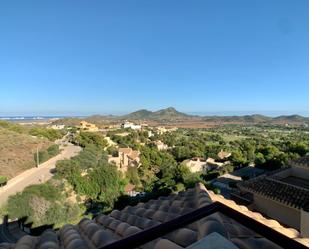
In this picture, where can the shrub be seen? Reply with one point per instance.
(53, 150)
(3, 180)
(50, 134)
(44, 155)
(43, 204)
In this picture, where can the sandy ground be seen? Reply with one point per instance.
(37, 175)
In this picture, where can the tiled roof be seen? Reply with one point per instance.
(301, 162)
(104, 229)
(125, 150)
(129, 187)
(224, 154)
(277, 190)
(134, 154)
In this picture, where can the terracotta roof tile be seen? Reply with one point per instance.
(104, 229)
(277, 190)
(125, 150)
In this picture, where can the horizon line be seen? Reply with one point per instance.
(121, 113)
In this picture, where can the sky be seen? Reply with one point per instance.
(86, 57)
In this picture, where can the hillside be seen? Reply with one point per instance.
(16, 151)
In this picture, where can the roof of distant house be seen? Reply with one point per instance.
(134, 154)
(224, 154)
(275, 189)
(301, 162)
(129, 187)
(125, 150)
(201, 159)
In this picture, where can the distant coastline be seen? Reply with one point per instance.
(34, 118)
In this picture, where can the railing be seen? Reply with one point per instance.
(160, 230)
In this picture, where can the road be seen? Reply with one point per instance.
(39, 174)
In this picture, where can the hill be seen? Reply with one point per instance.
(140, 114)
(169, 113)
(291, 118)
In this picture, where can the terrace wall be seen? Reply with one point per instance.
(284, 214)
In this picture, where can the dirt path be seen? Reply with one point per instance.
(37, 175)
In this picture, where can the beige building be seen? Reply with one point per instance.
(162, 130)
(160, 145)
(283, 195)
(196, 164)
(88, 126)
(57, 127)
(212, 164)
(126, 158)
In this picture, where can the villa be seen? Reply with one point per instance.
(126, 158)
(160, 145)
(84, 125)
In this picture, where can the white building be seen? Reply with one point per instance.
(130, 125)
(160, 145)
(57, 127)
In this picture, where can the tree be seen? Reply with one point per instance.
(238, 158)
(259, 159)
(132, 176)
(107, 184)
(91, 138)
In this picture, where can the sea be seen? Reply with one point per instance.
(26, 119)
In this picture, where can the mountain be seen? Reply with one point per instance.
(140, 114)
(169, 113)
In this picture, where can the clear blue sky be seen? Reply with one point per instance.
(85, 57)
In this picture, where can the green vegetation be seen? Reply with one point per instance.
(132, 140)
(3, 180)
(44, 155)
(266, 148)
(90, 138)
(11, 126)
(44, 204)
(90, 174)
(41, 132)
(50, 134)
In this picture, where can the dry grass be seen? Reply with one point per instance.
(16, 152)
